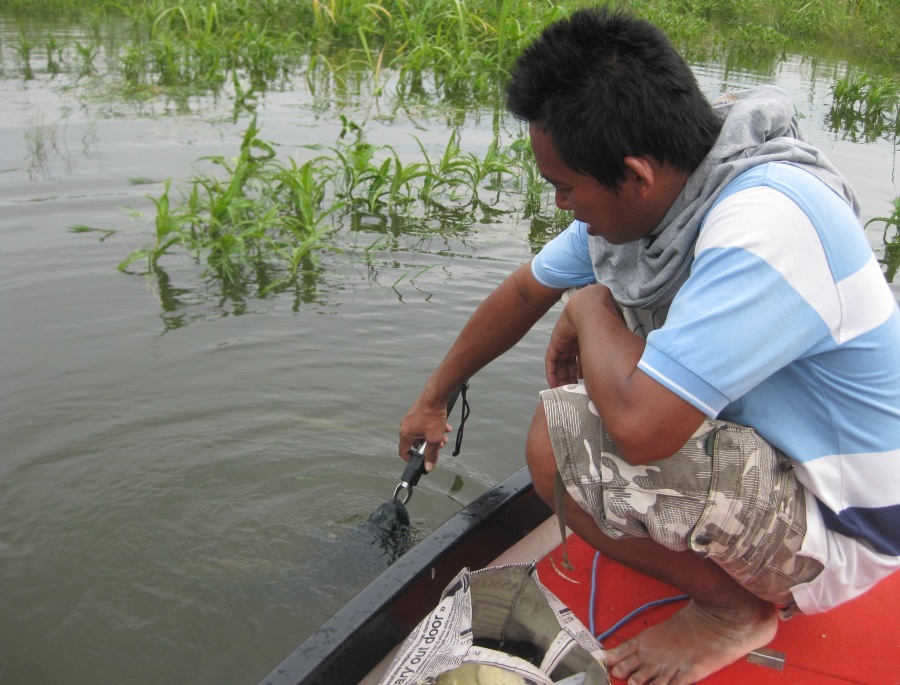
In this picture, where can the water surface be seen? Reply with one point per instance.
(178, 467)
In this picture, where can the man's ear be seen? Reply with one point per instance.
(641, 173)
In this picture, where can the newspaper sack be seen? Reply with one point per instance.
(499, 626)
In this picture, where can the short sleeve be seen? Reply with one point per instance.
(565, 262)
(760, 296)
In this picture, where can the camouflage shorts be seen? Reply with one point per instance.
(727, 495)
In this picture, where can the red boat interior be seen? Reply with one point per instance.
(858, 642)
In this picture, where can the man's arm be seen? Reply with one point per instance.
(645, 420)
(496, 325)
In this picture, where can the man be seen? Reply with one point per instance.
(737, 433)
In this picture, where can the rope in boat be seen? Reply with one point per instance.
(641, 609)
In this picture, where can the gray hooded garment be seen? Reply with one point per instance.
(758, 128)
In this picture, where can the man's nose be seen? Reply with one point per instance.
(562, 200)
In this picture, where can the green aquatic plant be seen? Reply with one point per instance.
(257, 208)
(103, 232)
(891, 237)
(42, 142)
(255, 211)
(865, 106)
(87, 54)
(446, 56)
(23, 49)
(444, 174)
(868, 95)
(53, 47)
(169, 231)
(452, 50)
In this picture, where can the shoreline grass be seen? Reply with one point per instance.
(464, 46)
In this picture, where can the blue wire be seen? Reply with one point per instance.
(649, 605)
(593, 592)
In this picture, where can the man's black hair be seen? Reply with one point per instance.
(605, 85)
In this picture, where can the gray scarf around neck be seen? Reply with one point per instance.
(758, 128)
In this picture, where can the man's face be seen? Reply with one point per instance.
(616, 217)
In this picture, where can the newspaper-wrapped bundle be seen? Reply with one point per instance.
(499, 626)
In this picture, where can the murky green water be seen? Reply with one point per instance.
(177, 468)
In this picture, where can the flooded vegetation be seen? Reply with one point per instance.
(304, 201)
(264, 216)
(255, 214)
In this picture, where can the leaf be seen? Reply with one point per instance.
(132, 258)
(81, 228)
(457, 485)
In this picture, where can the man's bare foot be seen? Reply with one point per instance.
(692, 644)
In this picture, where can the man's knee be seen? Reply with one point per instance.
(539, 456)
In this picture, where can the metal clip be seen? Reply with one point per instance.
(404, 488)
(415, 468)
(767, 657)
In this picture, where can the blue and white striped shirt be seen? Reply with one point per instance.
(787, 325)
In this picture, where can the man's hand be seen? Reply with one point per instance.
(562, 361)
(428, 423)
(563, 357)
(499, 323)
(645, 420)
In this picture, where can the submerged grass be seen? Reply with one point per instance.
(450, 53)
(866, 107)
(260, 211)
(891, 259)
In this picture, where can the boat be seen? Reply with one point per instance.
(858, 642)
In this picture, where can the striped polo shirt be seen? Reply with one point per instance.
(786, 325)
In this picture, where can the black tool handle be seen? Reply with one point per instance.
(415, 467)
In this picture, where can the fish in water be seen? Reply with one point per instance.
(386, 533)
(391, 517)
(348, 562)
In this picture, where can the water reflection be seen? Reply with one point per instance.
(859, 123)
